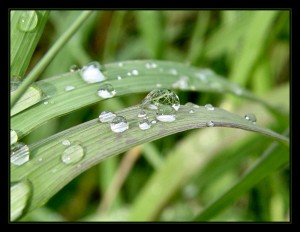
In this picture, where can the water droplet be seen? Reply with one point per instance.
(142, 114)
(210, 123)
(119, 124)
(166, 113)
(19, 198)
(209, 107)
(192, 111)
(19, 153)
(74, 68)
(135, 72)
(173, 71)
(129, 74)
(106, 116)
(153, 121)
(158, 85)
(106, 91)
(13, 137)
(250, 117)
(72, 154)
(120, 64)
(28, 20)
(46, 102)
(69, 88)
(150, 65)
(190, 104)
(66, 142)
(91, 73)
(181, 83)
(161, 97)
(40, 159)
(144, 124)
(119, 77)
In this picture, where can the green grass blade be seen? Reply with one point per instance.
(23, 43)
(167, 75)
(40, 67)
(273, 158)
(48, 174)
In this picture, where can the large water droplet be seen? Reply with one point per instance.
(142, 114)
(210, 123)
(91, 73)
(19, 153)
(250, 117)
(209, 107)
(165, 113)
(144, 124)
(106, 91)
(161, 97)
(106, 116)
(69, 88)
(28, 20)
(72, 154)
(19, 198)
(74, 68)
(13, 137)
(119, 124)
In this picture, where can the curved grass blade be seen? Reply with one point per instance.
(151, 74)
(95, 141)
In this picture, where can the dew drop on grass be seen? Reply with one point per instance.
(46, 102)
(142, 114)
(210, 123)
(119, 78)
(13, 137)
(69, 88)
(28, 20)
(153, 121)
(192, 105)
(106, 116)
(161, 97)
(144, 124)
(173, 71)
(119, 124)
(135, 72)
(150, 65)
(19, 198)
(91, 73)
(166, 113)
(72, 154)
(19, 153)
(181, 83)
(250, 117)
(74, 68)
(66, 142)
(106, 91)
(192, 111)
(129, 74)
(209, 107)
(158, 85)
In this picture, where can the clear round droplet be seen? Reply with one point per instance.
(66, 142)
(72, 154)
(250, 117)
(91, 73)
(209, 107)
(161, 97)
(19, 198)
(106, 116)
(166, 113)
(144, 124)
(106, 91)
(119, 78)
(74, 68)
(13, 137)
(28, 20)
(119, 124)
(142, 114)
(192, 111)
(135, 72)
(69, 88)
(210, 123)
(19, 153)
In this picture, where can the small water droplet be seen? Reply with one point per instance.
(91, 73)
(153, 121)
(19, 198)
(120, 64)
(181, 83)
(144, 124)
(158, 85)
(46, 102)
(28, 20)
(209, 107)
(72, 154)
(210, 123)
(106, 91)
(74, 68)
(166, 113)
(190, 104)
(119, 78)
(40, 159)
(13, 137)
(192, 111)
(19, 153)
(106, 116)
(66, 142)
(142, 114)
(69, 88)
(160, 97)
(173, 71)
(129, 74)
(135, 72)
(119, 124)
(150, 65)
(250, 117)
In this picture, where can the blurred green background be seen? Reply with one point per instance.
(250, 48)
